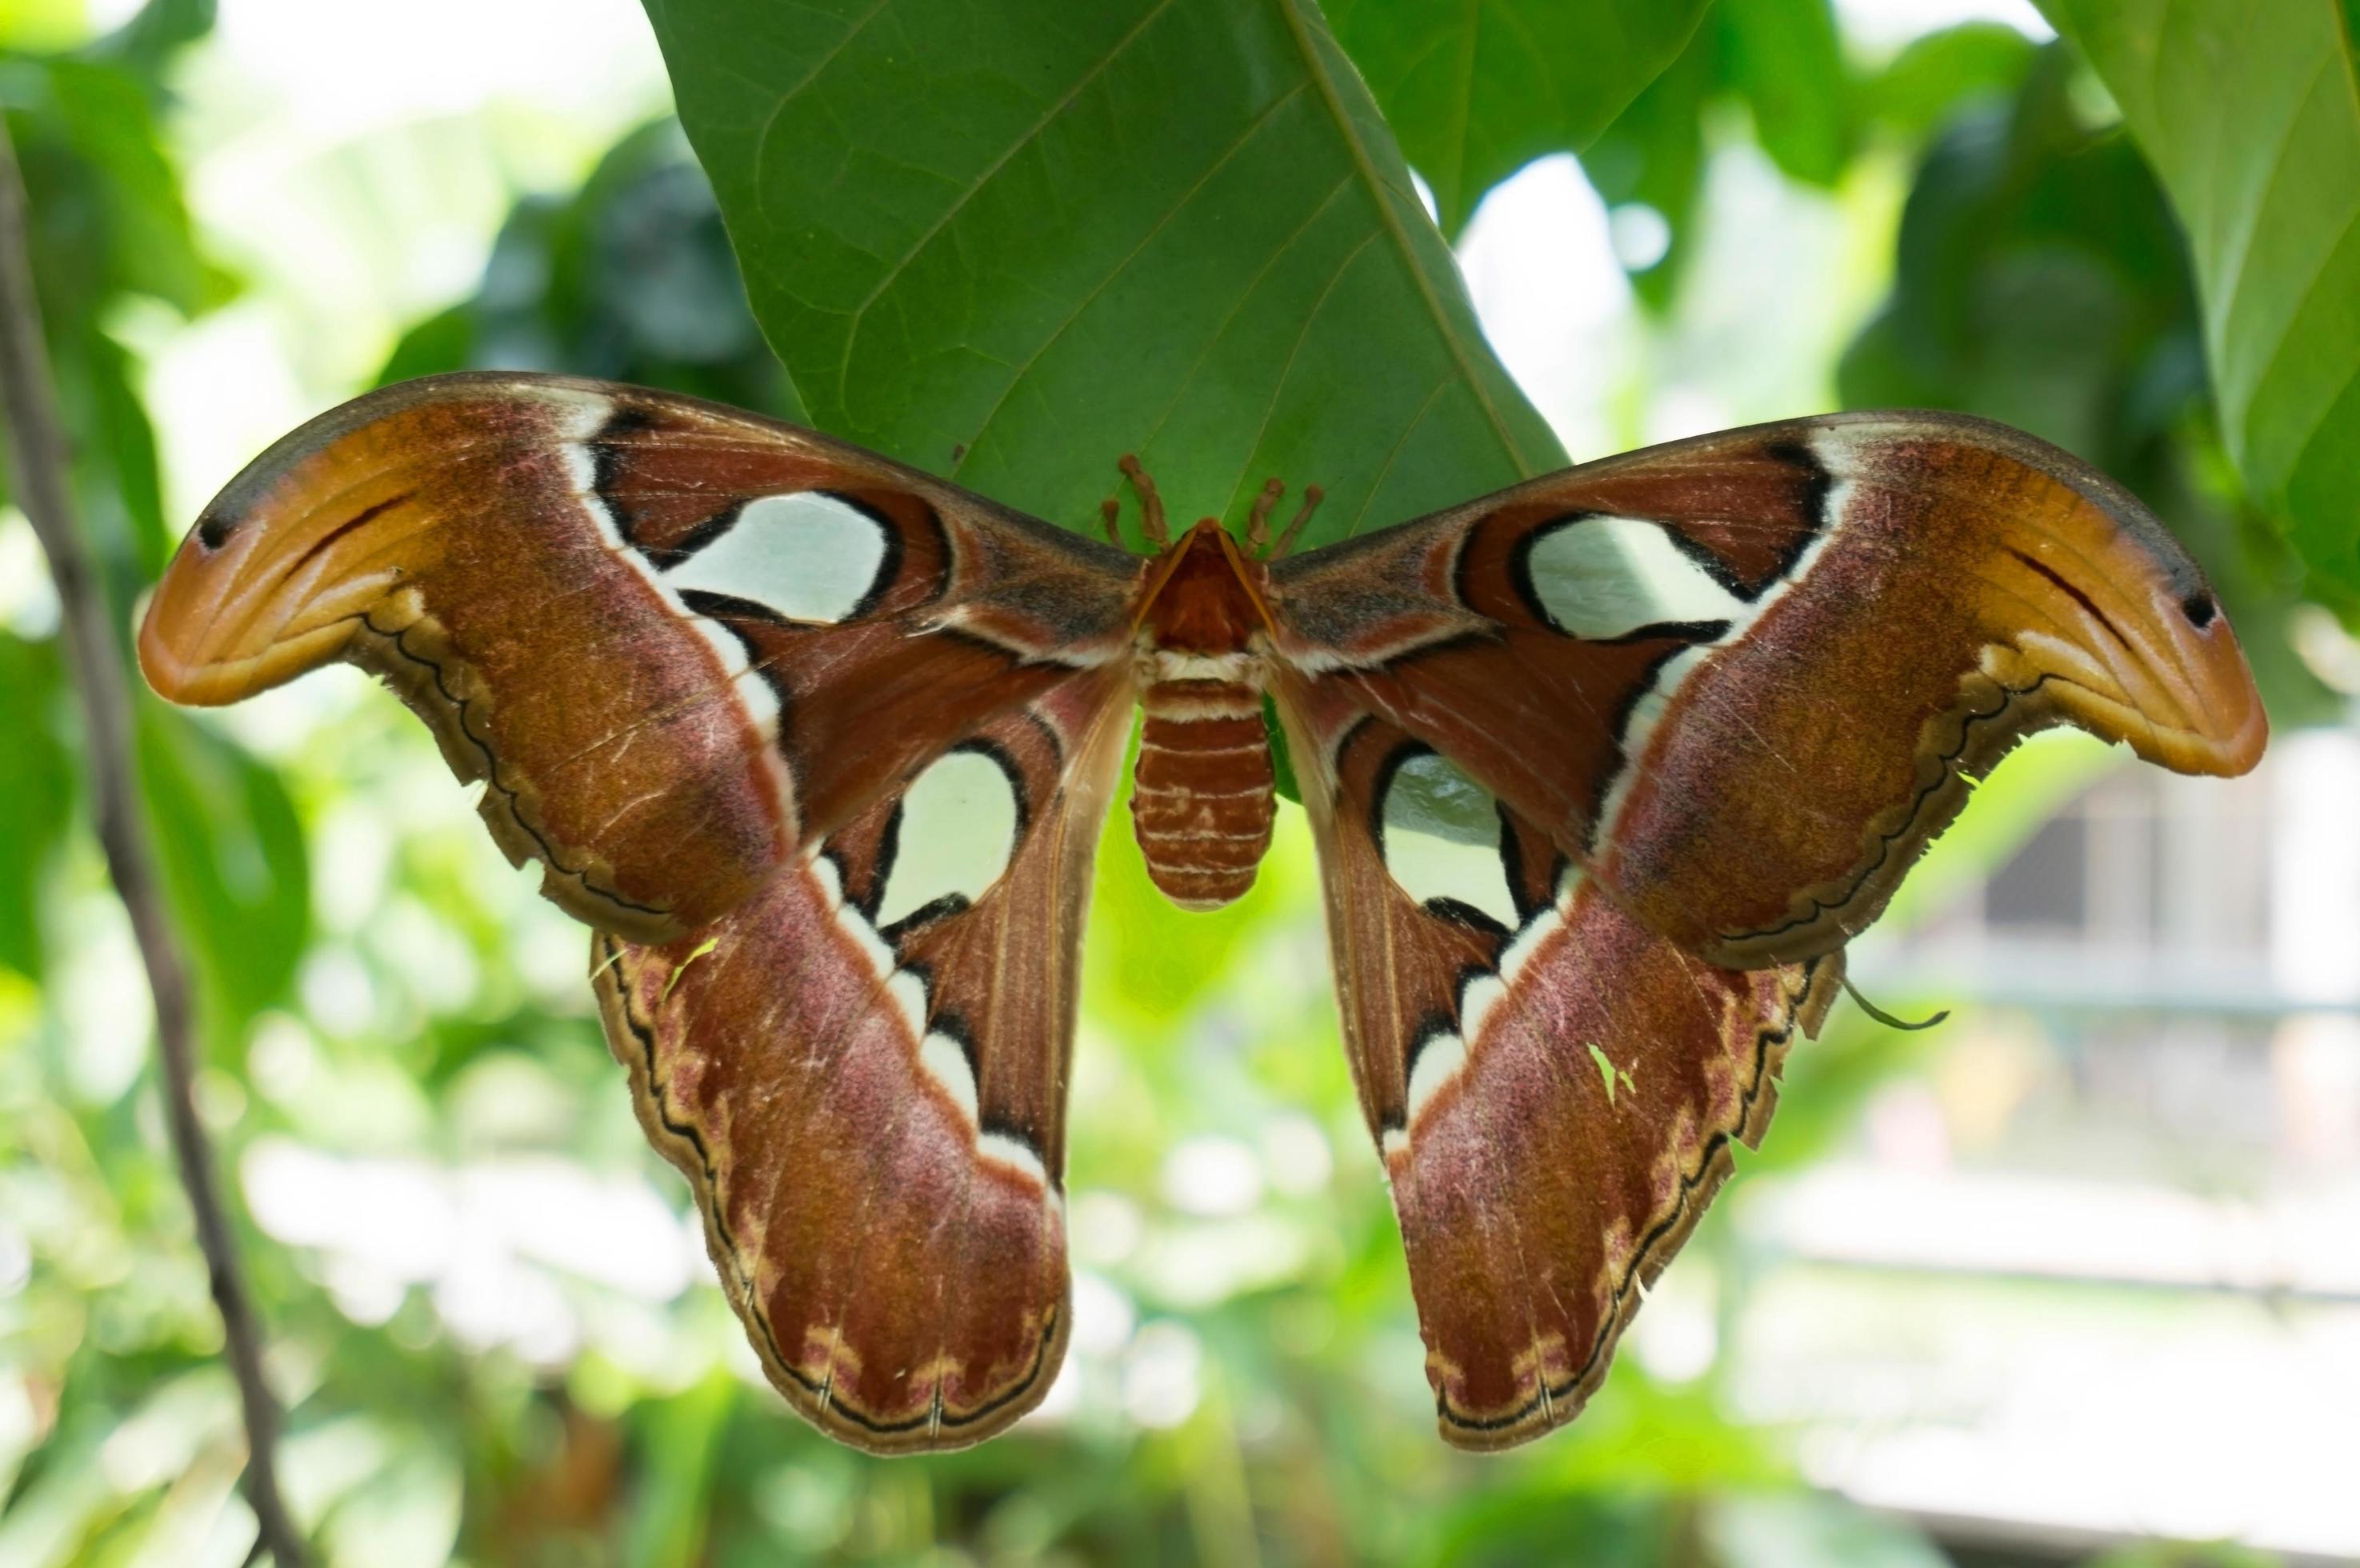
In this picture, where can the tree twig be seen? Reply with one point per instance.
(37, 453)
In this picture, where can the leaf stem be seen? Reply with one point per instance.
(38, 457)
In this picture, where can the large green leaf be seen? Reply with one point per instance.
(1010, 243)
(125, 228)
(108, 221)
(1476, 89)
(2251, 116)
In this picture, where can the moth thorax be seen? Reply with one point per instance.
(1200, 800)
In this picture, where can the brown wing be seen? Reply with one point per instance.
(1744, 679)
(1555, 1088)
(862, 1073)
(676, 641)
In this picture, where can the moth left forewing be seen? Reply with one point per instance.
(1554, 1087)
(1744, 678)
(676, 641)
(862, 1071)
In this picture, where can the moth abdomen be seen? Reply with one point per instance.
(1201, 799)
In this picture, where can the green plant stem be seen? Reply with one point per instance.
(38, 459)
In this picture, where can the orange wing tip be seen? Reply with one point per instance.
(2108, 611)
(244, 608)
(184, 665)
(2189, 704)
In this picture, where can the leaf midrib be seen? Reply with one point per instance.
(1390, 219)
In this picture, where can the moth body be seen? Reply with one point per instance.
(1201, 802)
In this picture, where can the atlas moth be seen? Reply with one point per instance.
(1606, 768)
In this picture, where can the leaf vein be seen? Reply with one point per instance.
(1179, 204)
(1032, 134)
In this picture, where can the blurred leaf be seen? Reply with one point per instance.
(41, 24)
(108, 220)
(2037, 272)
(675, 1488)
(2187, 1554)
(1654, 155)
(1782, 57)
(443, 343)
(1759, 1531)
(2251, 116)
(630, 280)
(405, 1514)
(1009, 245)
(1615, 1529)
(37, 781)
(1476, 90)
(119, 483)
(1930, 80)
(155, 34)
(148, 247)
(234, 863)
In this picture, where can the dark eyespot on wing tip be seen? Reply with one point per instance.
(214, 527)
(2200, 608)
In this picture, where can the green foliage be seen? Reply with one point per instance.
(1780, 57)
(1653, 156)
(37, 781)
(972, 290)
(630, 279)
(1476, 92)
(156, 33)
(1937, 75)
(1777, 61)
(233, 862)
(2041, 281)
(109, 223)
(2251, 118)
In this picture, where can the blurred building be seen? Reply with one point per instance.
(2094, 1272)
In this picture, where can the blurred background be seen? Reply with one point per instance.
(2074, 1277)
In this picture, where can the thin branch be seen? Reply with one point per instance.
(38, 454)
